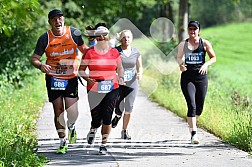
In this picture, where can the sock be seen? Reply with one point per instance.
(193, 133)
(62, 142)
(104, 138)
(71, 127)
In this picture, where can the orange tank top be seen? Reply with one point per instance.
(62, 56)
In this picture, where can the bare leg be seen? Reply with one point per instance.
(192, 123)
(105, 131)
(59, 121)
(72, 110)
(126, 119)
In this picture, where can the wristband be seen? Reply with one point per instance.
(40, 66)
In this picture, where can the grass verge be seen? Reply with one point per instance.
(19, 110)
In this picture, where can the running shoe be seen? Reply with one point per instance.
(91, 136)
(115, 121)
(103, 150)
(62, 149)
(194, 139)
(72, 136)
(125, 135)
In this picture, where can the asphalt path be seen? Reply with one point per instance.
(159, 138)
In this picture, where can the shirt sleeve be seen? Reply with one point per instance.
(41, 44)
(76, 35)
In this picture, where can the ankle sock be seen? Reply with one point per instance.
(194, 132)
(62, 141)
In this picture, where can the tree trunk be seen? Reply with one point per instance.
(183, 19)
(166, 10)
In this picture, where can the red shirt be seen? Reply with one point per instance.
(102, 66)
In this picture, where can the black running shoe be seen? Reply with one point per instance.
(91, 136)
(115, 121)
(103, 150)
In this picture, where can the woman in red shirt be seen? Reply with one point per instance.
(104, 63)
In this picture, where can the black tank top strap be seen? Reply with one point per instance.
(201, 45)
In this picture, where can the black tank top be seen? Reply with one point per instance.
(194, 59)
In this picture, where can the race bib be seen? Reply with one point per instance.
(105, 86)
(128, 75)
(58, 84)
(193, 58)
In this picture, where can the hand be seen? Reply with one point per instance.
(90, 81)
(139, 76)
(45, 68)
(121, 81)
(182, 67)
(203, 69)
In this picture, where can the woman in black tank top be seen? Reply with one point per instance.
(193, 67)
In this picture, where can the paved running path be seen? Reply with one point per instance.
(159, 138)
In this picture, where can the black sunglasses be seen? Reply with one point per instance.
(100, 34)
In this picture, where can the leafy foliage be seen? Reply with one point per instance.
(224, 11)
(17, 13)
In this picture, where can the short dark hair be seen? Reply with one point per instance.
(100, 24)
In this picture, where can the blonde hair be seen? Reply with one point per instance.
(121, 34)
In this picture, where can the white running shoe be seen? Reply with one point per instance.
(194, 139)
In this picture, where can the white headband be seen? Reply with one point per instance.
(101, 29)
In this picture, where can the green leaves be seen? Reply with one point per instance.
(16, 13)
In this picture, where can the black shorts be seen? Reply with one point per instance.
(71, 90)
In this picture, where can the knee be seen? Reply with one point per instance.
(106, 122)
(96, 124)
(198, 112)
(191, 112)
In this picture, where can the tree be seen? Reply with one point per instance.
(16, 13)
(166, 9)
(183, 19)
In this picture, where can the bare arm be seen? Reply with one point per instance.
(83, 48)
(211, 54)
(139, 68)
(180, 54)
(120, 72)
(35, 60)
(83, 74)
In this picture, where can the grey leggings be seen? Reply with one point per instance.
(128, 102)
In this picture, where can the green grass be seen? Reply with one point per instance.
(18, 113)
(227, 112)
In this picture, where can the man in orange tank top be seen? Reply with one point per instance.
(61, 45)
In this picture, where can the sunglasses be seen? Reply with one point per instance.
(190, 29)
(101, 36)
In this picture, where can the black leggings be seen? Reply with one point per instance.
(102, 106)
(194, 88)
